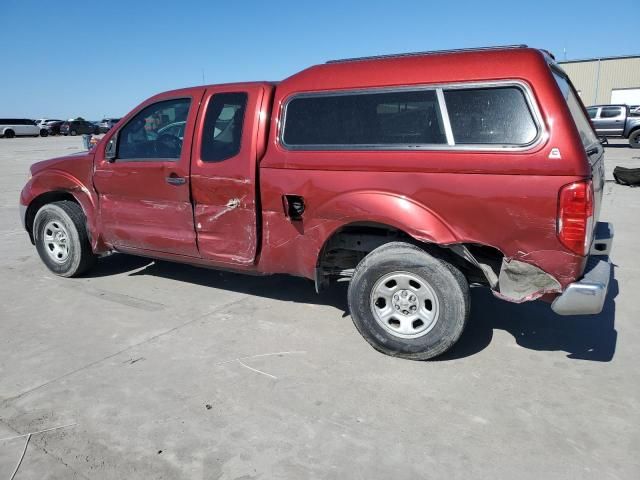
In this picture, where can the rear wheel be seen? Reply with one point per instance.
(634, 139)
(61, 238)
(44, 132)
(9, 133)
(407, 303)
(73, 133)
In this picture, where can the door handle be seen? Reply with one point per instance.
(173, 179)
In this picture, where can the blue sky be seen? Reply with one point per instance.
(93, 59)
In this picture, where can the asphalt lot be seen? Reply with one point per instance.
(167, 371)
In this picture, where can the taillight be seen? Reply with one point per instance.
(575, 216)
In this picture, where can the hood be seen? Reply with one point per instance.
(75, 163)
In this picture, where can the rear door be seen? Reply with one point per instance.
(24, 127)
(223, 174)
(610, 121)
(144, 192)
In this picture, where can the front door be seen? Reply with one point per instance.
(223, 174)
(610, 121)
(143, 192)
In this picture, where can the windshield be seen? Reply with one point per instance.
(583, 125)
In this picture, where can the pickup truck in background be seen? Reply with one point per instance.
(611, 121)
(412, 177)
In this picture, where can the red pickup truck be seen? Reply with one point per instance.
(410, 176)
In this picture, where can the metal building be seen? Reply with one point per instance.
(606, 80)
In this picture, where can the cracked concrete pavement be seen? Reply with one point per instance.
(142, 357)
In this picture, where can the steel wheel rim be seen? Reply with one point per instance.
(56, 241)
(404, 304)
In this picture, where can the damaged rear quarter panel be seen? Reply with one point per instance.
(515, 214)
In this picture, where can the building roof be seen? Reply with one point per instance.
(595, 59)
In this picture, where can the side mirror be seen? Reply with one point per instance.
(110, 150)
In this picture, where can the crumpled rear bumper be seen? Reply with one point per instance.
(587, 295)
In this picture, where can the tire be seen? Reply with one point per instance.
(9, 133)
(634, 139)
(419, 334)
(65, 217)
(44, 132)
(73, 133)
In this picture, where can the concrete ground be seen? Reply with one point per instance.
(166, 371)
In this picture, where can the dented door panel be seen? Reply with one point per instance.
(224, 190)
(140, 210)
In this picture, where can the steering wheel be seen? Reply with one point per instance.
(168, 144)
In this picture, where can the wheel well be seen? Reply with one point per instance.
(41, 200)
(348, 245)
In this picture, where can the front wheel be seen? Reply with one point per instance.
(61, 238)
(407, 303)
(634, 139)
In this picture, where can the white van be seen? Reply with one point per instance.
(14, 127)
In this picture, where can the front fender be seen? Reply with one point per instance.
(629, 128)
(50, 182)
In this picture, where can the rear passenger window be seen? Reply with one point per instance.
(490, 116)
(364, 120)
(222, 132)
(610, 112)
(592, 112)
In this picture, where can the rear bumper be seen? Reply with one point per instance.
(587, 295)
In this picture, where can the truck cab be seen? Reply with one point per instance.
(188, 196)
(611, 121)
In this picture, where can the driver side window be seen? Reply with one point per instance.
(151, 134)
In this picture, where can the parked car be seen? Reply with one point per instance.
(54, 126)
(75, 127)
(442, 170)
(48, 124)
(20, 127)
(610, 121)
(43, 122)
(107, 124)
